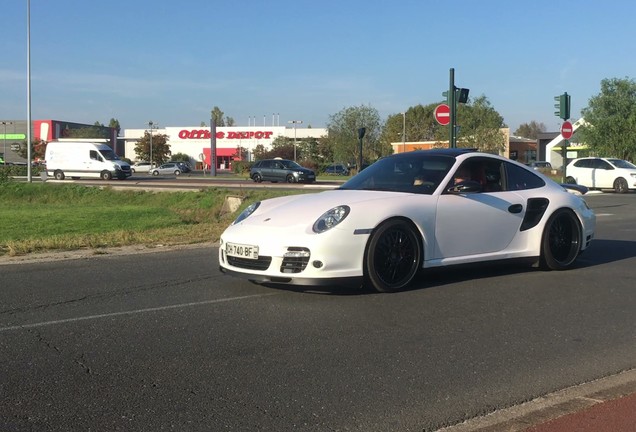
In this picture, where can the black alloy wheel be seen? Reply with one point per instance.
(393, 256)
(561, 242)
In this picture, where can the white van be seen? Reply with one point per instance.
(84, 159)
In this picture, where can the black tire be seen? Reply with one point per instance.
(620, 185)
(106, 175)
(561, 241)
(177, 173)
(155, 173)
(257, 178)
(59, 175)
(570, 180)
(393, 256)
(290, 178)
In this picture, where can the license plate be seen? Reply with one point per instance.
(242, 251)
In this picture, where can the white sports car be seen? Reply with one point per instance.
(407, 212)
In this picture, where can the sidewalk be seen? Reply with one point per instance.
(604, 405)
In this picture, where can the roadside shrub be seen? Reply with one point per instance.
(241, 167)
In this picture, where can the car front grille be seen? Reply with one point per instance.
(295, 260)
(262, 263)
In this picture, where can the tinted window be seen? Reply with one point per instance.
(519, 178)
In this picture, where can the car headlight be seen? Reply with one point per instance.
(331, 218)
(247, 212)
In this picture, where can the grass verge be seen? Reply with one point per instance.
(38, 217)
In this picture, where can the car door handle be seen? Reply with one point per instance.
(515, 208)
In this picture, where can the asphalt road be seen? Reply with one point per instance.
(163, 341)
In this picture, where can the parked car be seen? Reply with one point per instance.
(602, 173)
(167, 168)
(140, 167)
(184, 166)
(337, 169)
(282, 170)
(538, 165)
(405, 213)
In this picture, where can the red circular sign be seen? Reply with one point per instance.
(567, 130)
(442, 114)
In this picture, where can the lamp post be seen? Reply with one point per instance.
(403, 132)
(150, 124)
(295, 122)
(4, 151)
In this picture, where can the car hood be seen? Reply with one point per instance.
(304, 209)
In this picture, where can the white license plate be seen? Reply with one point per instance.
(241, 250)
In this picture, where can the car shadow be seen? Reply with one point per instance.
(602, 251)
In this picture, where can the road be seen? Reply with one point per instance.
(163, 341)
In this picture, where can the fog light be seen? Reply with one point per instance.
(317, 264)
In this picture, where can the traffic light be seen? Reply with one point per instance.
(562, 106)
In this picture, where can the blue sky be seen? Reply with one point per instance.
(171, 62)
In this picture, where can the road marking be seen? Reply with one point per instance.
(132, 312)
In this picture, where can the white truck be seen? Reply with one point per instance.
(84, 159)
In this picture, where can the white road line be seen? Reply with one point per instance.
(132, 312)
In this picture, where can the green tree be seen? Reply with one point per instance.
(38, 149)
(611, 119)
(419, 125)
(160, 148)
(343, 140)
(530, 130)
(480, 126)
(114, 123)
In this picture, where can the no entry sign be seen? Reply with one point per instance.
(442, 114)
(567, 130)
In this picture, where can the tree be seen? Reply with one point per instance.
(530, 130)
(38, 149)
(419, 124)
(343, 134)
(480, 126)
(611, 119)
(114, 123)
(160, 148)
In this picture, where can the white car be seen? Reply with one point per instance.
(602, 173)
(405, 213)
(167, 168)
(140, 167)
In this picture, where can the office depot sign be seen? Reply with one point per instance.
(205, 134)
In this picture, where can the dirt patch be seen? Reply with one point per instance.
(96, 253)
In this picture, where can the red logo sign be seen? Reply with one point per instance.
(205, 134)
(442, 114)
(567, 130)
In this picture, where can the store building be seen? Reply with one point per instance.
(196, 141)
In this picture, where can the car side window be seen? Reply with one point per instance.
(518, 178)
(601, 164)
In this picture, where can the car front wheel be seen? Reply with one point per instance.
(393, 256)
(561, 241)
(620, 185)
(290, 178)
(106, 175)
(155, 173)
(257, 178)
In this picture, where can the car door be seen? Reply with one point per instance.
(604, 174)
(478, 223)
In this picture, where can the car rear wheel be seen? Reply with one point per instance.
(393, 256)
(620, 185)
(570, 180)
(561, 242)
(59, 175)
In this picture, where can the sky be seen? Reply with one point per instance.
(264, 62)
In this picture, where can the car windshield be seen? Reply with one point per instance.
(109, 155)
(290, 164)
(620, 163)
(413, 172)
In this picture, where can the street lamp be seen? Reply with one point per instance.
(403, 132)
(150, 124)
(295, 122)
(4, 151)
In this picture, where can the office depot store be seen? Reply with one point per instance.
(196, 141)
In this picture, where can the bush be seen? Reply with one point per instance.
(241, 167)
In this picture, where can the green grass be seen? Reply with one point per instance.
(43, 217)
